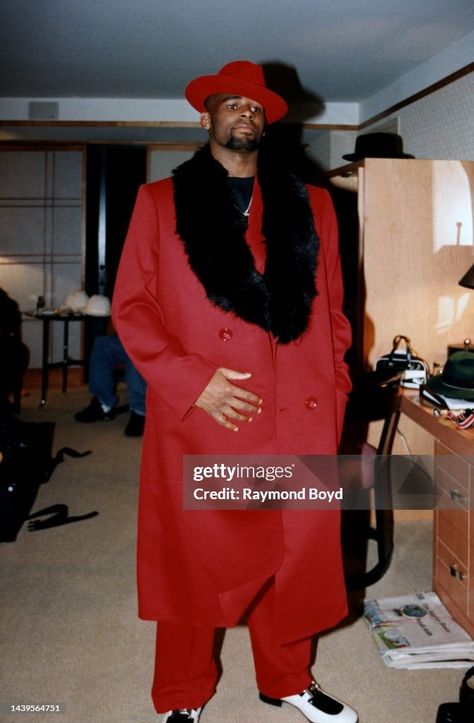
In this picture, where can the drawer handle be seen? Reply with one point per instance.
(456, 572)
(456, 496)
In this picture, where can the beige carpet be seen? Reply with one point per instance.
(69, 631)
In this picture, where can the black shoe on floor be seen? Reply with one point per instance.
(94, 413)
(135, 426)
(466, 694)
(452, 713)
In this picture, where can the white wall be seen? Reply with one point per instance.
(445, 63)
(440, 125)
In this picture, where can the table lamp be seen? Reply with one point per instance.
(468, 278)
(468, 282)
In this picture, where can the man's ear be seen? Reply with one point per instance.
(206, 120)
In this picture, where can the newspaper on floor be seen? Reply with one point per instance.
(416, 631)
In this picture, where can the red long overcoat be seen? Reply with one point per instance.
(205, 567)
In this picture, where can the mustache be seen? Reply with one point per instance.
(247, 123)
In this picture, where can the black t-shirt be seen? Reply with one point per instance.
(242, 189)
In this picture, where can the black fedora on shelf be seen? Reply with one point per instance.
(457, 379)
(377, 145)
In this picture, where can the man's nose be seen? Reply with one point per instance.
(247, 111)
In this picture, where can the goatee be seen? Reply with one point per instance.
(242, 144)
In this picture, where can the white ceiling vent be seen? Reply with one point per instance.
(43, 110)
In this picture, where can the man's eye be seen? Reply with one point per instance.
(231, 106)
(256, 109)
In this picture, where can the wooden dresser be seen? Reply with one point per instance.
(453, 529)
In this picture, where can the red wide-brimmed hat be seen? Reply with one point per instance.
(241, 77)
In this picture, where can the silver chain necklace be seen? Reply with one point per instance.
(247, 210)
(239, 193)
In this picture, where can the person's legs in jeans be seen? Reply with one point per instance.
(107, 352)
(136, 388)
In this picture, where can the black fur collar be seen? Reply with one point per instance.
(279, 300)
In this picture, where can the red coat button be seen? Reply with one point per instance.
(226, 334)
(311, 403)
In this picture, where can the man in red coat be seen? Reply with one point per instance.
(228, 300)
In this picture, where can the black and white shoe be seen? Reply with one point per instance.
(317, 706)
(182, 715)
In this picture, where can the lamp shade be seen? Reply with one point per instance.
(468, 279)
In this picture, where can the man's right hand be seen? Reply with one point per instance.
(228, 403)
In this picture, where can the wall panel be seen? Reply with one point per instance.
(42, 234)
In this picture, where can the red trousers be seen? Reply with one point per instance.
(186, 671)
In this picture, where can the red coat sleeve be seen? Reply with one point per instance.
(177, 376)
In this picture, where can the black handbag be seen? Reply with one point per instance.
(415, 370)
(26, 462)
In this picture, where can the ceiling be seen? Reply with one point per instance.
(340, 50)
(343, 50)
